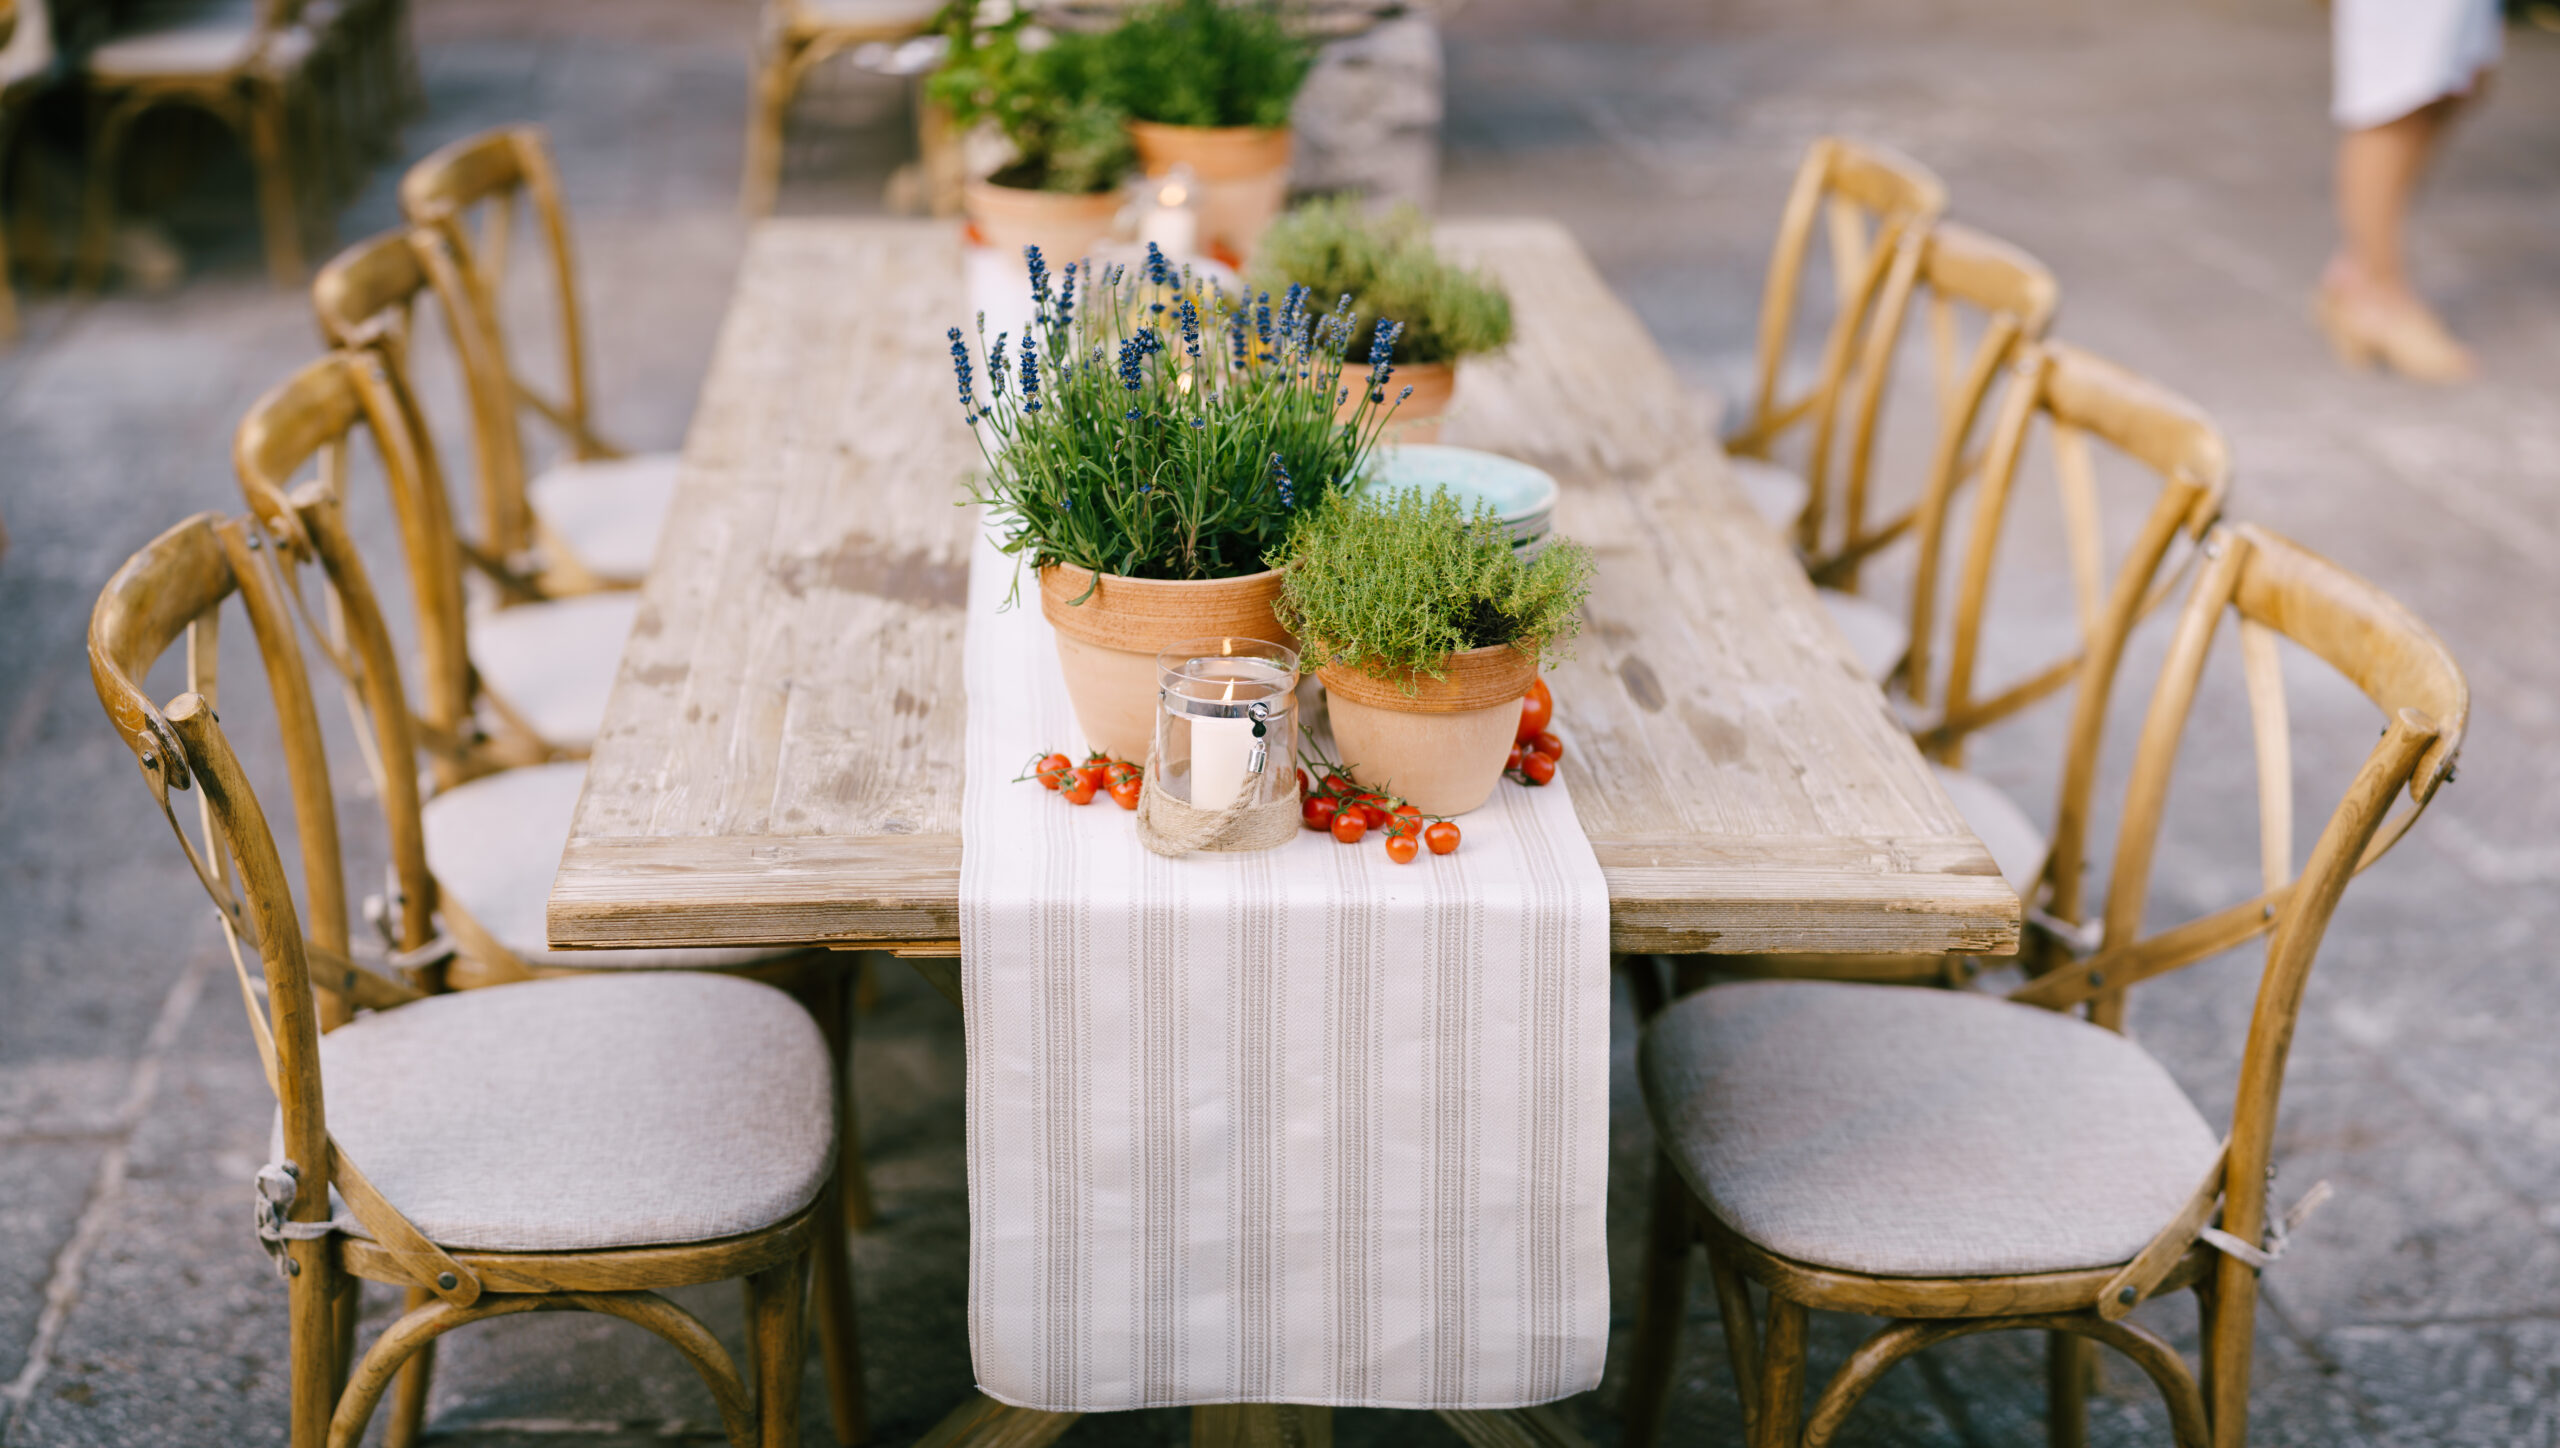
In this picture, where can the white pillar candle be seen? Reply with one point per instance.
(1221, 751)
(1169, 221)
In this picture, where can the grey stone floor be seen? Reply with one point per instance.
(2167, 161)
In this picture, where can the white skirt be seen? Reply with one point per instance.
(2394, 56)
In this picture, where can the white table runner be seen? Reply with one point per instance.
(1297, 1126)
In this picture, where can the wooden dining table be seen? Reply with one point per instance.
(781, 759)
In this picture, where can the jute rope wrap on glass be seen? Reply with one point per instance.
(1170, 827)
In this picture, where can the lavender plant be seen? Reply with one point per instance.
(1155, 427)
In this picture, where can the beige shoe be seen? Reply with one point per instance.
(2408, 340)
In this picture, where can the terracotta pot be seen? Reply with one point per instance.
(1418, 419)
(1064, 225)
(1442, 746)
(1243, 173)
(1108, 643)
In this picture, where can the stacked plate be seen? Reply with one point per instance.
(1523, 496)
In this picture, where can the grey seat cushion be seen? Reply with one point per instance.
(609, 510)
(555, 661)
(586, 1112)
(494, 846)
(1775, 491)
(1877, 635)
(1919, 1133)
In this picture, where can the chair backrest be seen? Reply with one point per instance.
(483, 176)
(316, 415)
(2278, 590)
(1866, 199)
(26, 44)
(175, 589)
(2010, 298)
(2077, 397)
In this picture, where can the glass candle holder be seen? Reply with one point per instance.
(1226, 722)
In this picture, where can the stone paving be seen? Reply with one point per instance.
(2167, 161)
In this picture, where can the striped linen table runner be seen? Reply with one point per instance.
(1297, 1126)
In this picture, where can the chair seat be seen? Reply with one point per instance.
(608, 511)
(1919, 1133)
(2016, 845)
(554, 662)
(494, 845)
(1877, 635)
(905, 16)
(587, 1112)
(1776, 492)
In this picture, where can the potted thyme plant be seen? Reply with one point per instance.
(1208, 85)
(1427, 628)
(1045, 91)
(1448, 312)
(1147, 444)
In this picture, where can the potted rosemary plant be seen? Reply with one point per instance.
(1427, 629)
(1208, 85)
(1148, 443)
(1447, 311)
(1045, 92)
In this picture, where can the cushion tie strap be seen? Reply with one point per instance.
(279, 1183)
(2280, 1231)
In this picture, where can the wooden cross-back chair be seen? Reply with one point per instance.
(1959, 1163)
(592, 519)
(798, 36)
(1865, 199)
(470, 912)
(501, 687)
(1962, 275)
(488, 1183)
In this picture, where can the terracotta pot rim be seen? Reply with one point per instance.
(1143, 615)
(1477, 679)
(1035, 195)
(1175, 128)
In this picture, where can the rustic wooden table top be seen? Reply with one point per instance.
(781, 759)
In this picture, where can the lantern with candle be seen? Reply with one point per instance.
(1223, 770)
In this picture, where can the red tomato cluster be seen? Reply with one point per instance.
(1079, 783)
(1332, 802)
(1537, 752)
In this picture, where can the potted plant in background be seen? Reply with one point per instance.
(1208, 85)
(1045, 92)
(1387, 263)
(1147, 444)
(1427, 629)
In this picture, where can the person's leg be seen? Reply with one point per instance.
(2369, 307)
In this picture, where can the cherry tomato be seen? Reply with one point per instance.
(1095, 772)
(1548, 745)
(1535, 711)
(1406, 811)
(1349, 826)
(1125, 792)
(1539, 768)
(1122, 769)
(1318, 811)
(1512, 765)
(1077, 789)
(1401, 848)
(1373, 812)
(1302, 781)
(1053, 771)
(1442, 837)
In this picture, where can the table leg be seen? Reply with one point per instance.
(1261, 1425)
(1540, 1427)
(982, 1422)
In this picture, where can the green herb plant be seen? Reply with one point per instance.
(1393, 582)
(1045, 89)
(1157, 428)
(1389, 265)
(1206, 63)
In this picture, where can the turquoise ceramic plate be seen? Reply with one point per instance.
(1521, 494)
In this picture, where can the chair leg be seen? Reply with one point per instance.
(762, 182)
(343, 1315)
(312, 1299)
(839, 1331)
(114, 118)
(1781, 1417)
(409, 1392)
(8, 294)
(1741, 1335)
(2230, 1338)
(2068, 1363)
(280, 216)
(1662, 1301)
(775, 1299)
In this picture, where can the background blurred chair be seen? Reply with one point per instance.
(589, 521)
(797, 35)
(561, 1145)
(1867, 199)
(27, 61)
(1960, 1164)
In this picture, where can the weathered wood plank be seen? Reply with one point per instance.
(781, 763)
